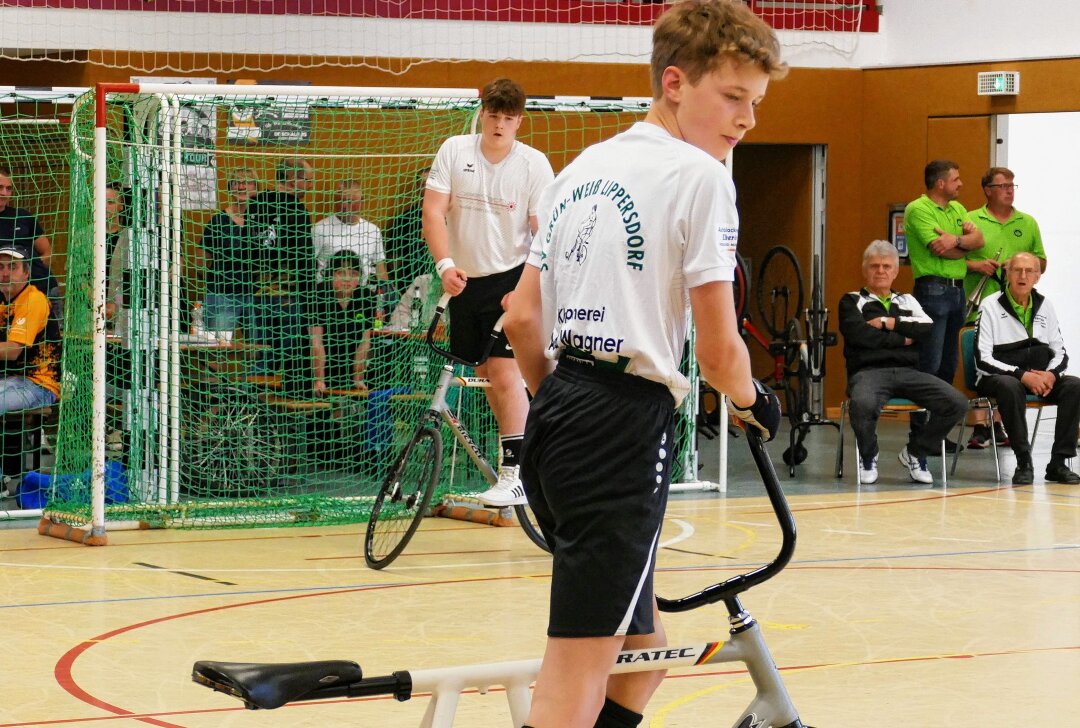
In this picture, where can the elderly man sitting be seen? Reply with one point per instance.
(1019, 351)
(881, 331)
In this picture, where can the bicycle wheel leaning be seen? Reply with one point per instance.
(779, 289)
(403, 498)
(528, 524)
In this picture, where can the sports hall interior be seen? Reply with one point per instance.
(956, 604)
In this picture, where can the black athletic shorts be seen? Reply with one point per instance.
(474, 311)
(596, 464)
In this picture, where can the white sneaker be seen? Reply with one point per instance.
(916, 467)
(508, 491)
(868, 474)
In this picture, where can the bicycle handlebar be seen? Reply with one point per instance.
(737, 584)
(440, 308)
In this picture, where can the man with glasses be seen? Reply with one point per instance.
(939, 237)
(1006, 231)
(1019, 351)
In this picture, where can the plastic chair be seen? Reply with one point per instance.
(897, 405)
(975, 401)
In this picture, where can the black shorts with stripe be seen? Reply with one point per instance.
(474, 312)
(596, 463)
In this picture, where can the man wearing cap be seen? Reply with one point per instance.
(30, 346)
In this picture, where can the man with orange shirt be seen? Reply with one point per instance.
(30, 345)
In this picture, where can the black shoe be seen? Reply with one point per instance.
(980, 438)
(1000, 436)
(1025, 471)
(1060, 473)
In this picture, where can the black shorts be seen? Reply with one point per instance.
(474, 311)
(596, 464)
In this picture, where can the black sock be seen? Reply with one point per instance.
(613, 715)
(511, 448)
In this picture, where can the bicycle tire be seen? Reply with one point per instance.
(779, 289)
(403, 498)
(740, 286)
(528, 525)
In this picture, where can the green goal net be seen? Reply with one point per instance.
(266, 290)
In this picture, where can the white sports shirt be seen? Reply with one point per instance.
(490, 204)
(331, 235)
(625, 231)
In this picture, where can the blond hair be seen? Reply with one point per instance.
(698, 36)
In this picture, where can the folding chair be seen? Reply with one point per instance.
(896, 405)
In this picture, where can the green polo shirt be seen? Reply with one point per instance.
(1022, 312)
(1019, 234)
(920, 218)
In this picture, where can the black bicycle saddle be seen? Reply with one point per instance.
(271, 685)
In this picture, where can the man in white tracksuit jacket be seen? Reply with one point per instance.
(1019, 351)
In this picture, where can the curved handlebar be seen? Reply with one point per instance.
(738, 584)
(440, 308)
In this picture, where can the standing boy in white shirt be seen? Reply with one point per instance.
(479, 217)
(637, 233)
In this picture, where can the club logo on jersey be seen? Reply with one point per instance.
(1018, 233)
(469, 167)
(580, 249)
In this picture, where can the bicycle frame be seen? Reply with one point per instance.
(268, 686)
(440, 409)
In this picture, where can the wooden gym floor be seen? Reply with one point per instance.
(904, 606)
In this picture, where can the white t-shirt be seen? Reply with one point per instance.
(625, 231)
(490, 204)
(331, 235)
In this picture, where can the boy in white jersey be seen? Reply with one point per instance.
(479, 217)
(631, 232)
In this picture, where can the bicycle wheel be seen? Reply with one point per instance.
(779, 289)
(230, 445)
(797, 376)
(740, 287)
(403, 498)
(528, 525)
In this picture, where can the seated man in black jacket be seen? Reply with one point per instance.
(1019, 351)
(881, 331)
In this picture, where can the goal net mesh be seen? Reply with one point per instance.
(214, 411)
(393, 36)
(34, 178)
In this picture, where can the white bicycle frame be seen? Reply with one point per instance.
(268, 686)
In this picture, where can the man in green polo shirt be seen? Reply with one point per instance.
(1004, 229)
(1019, 351)
(1007, 231)
(939, 237)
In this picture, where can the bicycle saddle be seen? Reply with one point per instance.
(270, 685)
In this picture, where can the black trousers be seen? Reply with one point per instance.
(870, 389)
(1011, 398)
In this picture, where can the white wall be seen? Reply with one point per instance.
(1043, 151)
(931, 32)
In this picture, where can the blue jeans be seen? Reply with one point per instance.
(19, 393)
(226, 311)
(939, 351)
(281, 325)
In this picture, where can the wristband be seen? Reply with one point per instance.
(444, 265)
